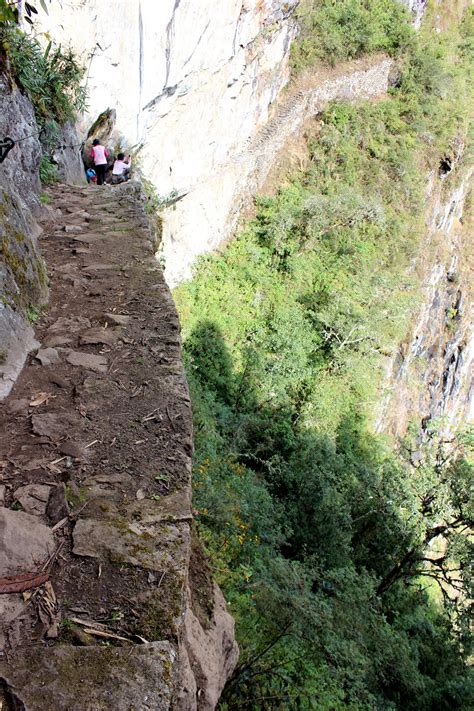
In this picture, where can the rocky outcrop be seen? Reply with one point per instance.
(203, 117)
(23, 280)
(430, 377)
(208, 650)
(417, 8)
(17, 120)
(68, 157)
(22, 272)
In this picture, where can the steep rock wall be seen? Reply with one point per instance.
(194, 88)
(22, 273)
(191, 83)
(417, 8)
(430, 377)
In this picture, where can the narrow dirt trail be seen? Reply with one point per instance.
(95, 445)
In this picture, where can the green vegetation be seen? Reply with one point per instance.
(48, 171)
(9, 11)
(335, 31)
(318, 531)
(51, 78)
(45, 199)
(33, 313)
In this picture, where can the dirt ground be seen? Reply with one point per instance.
(98, 430)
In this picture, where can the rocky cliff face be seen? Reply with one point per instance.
(417, 8)
(193, 88)
(190, 83)
(430, 378)
(22, 272)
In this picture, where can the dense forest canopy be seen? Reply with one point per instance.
(345, 564)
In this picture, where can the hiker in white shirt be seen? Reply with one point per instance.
(121, 169)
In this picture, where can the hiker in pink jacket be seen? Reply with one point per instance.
(99, 156)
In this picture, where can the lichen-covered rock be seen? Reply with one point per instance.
(17, 120)
(16, 341)
(94, 678)
(208, 656)
(22, 271)
(68, 156)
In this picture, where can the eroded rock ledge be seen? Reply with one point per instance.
(95, 450)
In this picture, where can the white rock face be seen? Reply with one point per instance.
(191, 82)
(430, 376)
(417, 8)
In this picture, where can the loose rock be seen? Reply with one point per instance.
(107, 336)
(52, 425)
(47, 356)
(53, 341)
(58, 380)
(97, 363)
(58, 507)
(73, 229)
(16, 407)
(33, 498)
(116, 319)
(97, 267)
(25, 543)
(69, 325)
(72, 449)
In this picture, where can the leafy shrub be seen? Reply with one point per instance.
(51, 77)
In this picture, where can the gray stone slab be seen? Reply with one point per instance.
(52, 424)
(47, 356)
(97, 363)
(150, 546)
(139, 677)
(25, 543)
(116, 319)
(106, 336)
(33, 498)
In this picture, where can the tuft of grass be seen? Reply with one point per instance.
(45, 199)
(33, 313)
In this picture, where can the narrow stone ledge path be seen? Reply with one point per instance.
(95, 468)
